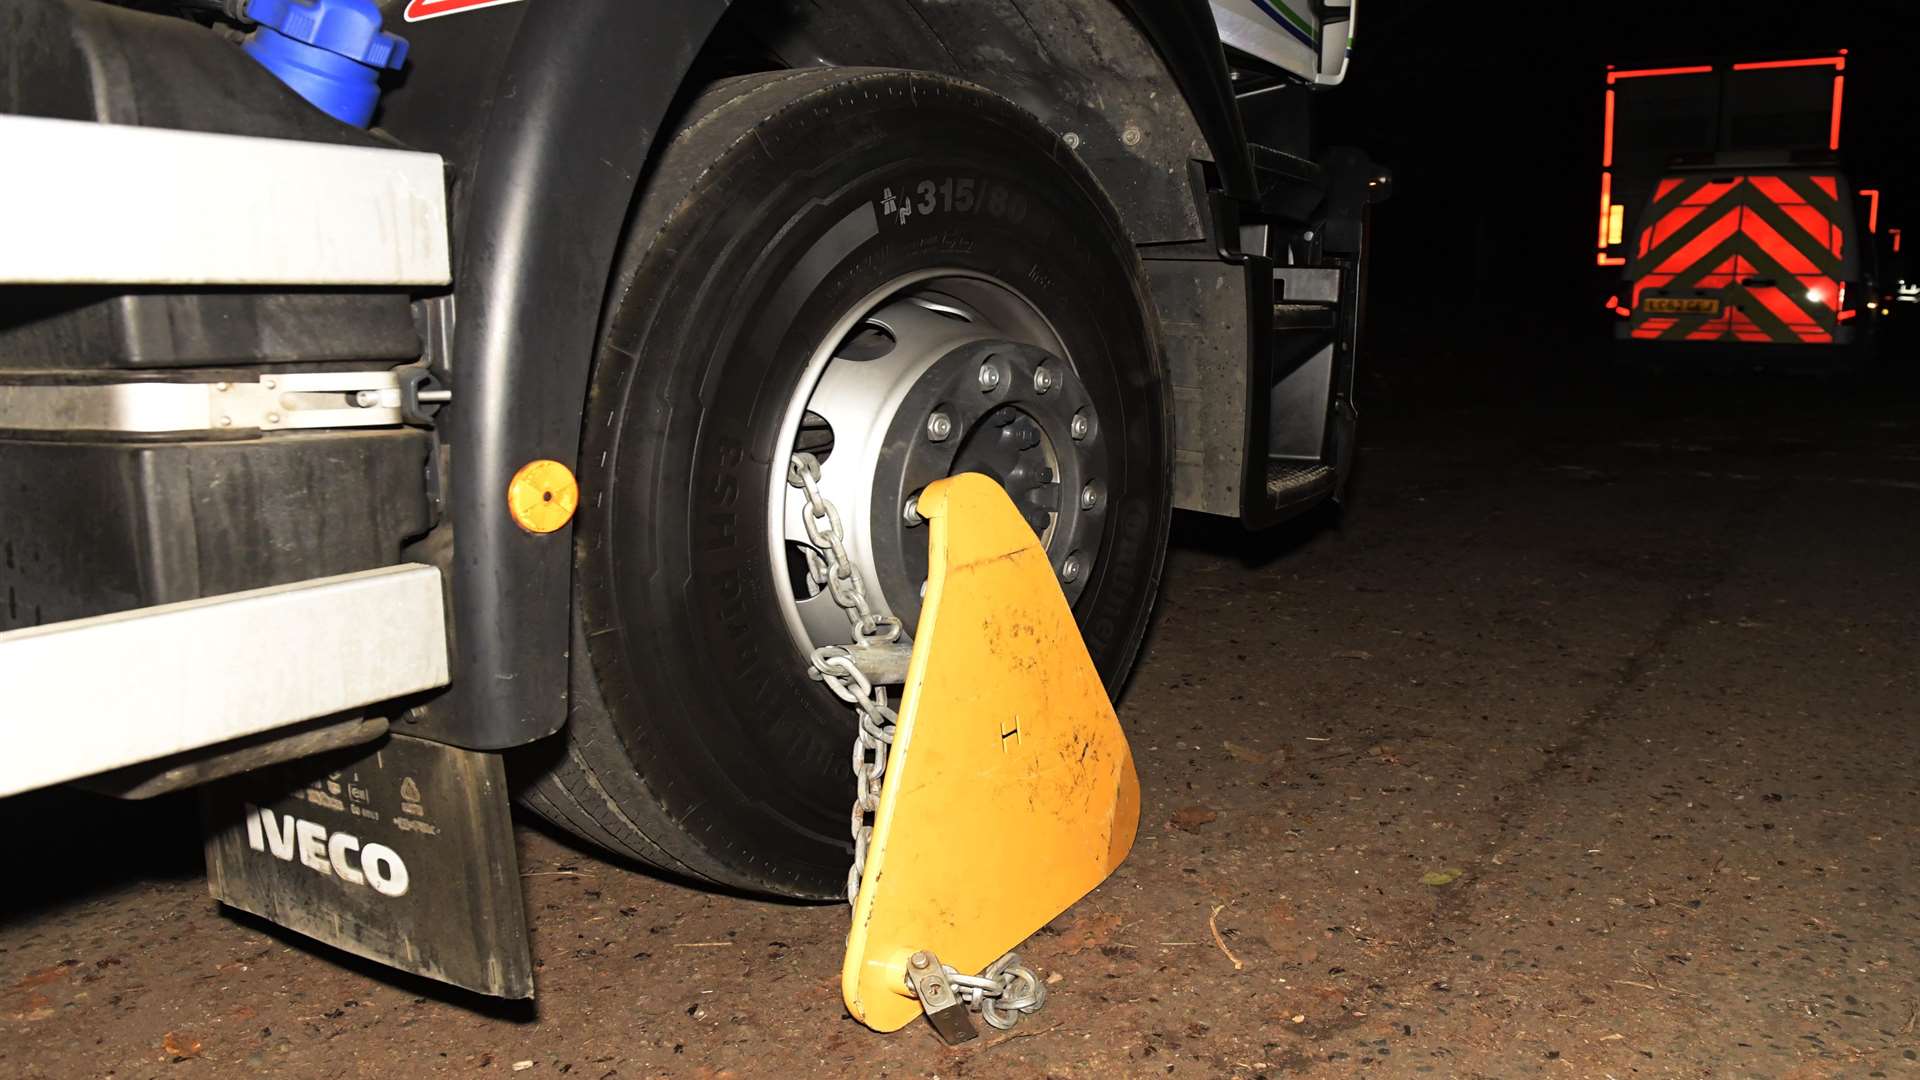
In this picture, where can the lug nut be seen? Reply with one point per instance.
(1089, 497)
(1042, 380)
(1070, 569)
(939, 426)
(989, 376)
(911, 514)
(1081, 426)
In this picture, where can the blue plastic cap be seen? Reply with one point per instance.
(349, 28)
(330, 52)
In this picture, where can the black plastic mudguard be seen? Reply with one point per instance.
(548, 111)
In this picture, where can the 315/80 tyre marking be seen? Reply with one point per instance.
(952, 196)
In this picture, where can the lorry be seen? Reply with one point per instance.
(411, 406)
(1726, 209)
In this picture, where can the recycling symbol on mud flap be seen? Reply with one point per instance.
(409, 790)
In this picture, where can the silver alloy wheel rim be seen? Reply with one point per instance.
(935, 321)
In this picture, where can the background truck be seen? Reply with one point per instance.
(1726, 208)
(406, 404)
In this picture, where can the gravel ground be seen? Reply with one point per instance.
(1581, 745)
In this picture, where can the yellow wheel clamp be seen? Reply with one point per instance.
(1009, 792)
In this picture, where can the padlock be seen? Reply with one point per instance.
(942, 1006)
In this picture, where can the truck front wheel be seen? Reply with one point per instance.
(906, 277)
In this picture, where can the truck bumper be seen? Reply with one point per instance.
(94, 694)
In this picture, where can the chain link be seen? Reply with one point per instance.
(1002, 994)
(829, 567)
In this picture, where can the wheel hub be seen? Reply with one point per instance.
(956, 375)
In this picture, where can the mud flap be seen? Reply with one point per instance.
(401, 852)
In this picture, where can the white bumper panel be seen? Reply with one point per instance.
(82, 697)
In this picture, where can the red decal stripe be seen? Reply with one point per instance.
(1777, 247)
(1711, 237)
(1784, 309)
(1674, 220)
(1712, 192)
(433, 9)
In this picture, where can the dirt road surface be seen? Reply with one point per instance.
(1582, 744)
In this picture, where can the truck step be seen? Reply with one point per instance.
(1289, 483)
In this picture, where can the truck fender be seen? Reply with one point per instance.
(571, 107)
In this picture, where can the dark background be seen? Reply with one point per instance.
(1489, 117)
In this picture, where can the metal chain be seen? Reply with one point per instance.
(829, 567)
(834, 569)
(1002, 994)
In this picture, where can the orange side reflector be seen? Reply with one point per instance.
(1817, 61)
(1873, 208)
(1643, 73)
(1606, 146)
(1833, 138)
(543, 496)
(1606, 204)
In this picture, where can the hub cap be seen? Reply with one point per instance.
(937, 375)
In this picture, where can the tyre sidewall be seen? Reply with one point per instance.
(797, 220)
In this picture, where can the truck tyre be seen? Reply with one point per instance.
(826, 260)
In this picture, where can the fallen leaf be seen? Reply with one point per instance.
(42, 977)
(1244, 753)
(1191, 818)
(522, 1066)
(34, 1007)
(1353, 654)
(180, 1046)
(1441, 877)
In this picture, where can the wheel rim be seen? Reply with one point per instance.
(940, 372)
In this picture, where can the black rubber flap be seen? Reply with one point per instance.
(401, 852)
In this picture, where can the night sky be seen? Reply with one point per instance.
(1493, 135)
